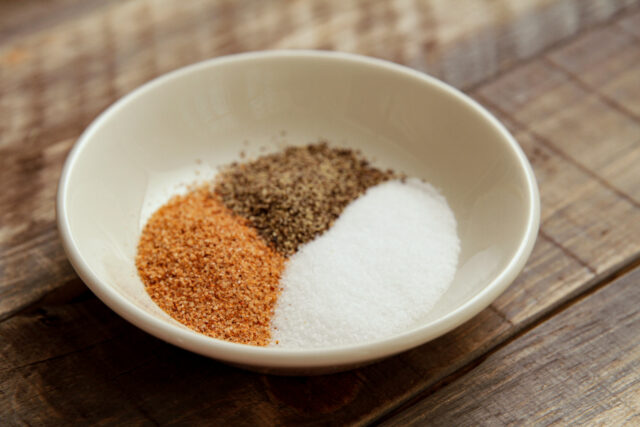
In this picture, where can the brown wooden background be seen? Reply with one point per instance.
(561, 345)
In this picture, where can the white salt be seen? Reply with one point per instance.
(380, 269)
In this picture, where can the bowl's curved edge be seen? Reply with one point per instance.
(271, 358)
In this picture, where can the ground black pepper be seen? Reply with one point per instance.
(292, 196)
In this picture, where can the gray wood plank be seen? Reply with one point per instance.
(581, 367)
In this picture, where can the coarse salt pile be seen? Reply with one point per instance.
(377, 271)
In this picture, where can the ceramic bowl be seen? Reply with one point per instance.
(180, 127)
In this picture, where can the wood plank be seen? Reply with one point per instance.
(587, 146)
(18, 18)
(557, 112)
(47, 100)
(112, 358)
(32, 260)
(92, 352)
(589, 230)
(631, 23)
(582, 367)
(597, 126)
(88, 330)
(550, 278)
(82, 64)
(29, 386)
(605, 62)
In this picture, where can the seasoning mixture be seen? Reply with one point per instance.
(293, 196)
(209, 270)
(257, 258)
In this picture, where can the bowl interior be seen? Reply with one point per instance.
(180, 128)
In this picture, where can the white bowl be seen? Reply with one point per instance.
(181, 126)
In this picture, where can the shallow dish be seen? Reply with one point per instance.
(180, 127)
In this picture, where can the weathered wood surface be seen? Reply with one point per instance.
(63, 62)
(582, 367)
(573, 108)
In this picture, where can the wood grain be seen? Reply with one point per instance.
(595, 143)
(69, 357)
(70, 63)
(32, 261)
(62, 361)
(631, 23)
(78, 63)
(18, 19)
(582, 367)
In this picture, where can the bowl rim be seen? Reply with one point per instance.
(274, 357)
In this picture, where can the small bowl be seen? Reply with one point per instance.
(181, 127)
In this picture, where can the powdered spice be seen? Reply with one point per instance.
(294, 195)
(209, 270)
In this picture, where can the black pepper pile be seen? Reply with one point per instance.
(295, 195)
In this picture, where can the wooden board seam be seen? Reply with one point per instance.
(566, 251)
(612, 103)
(556, 381)
(55, 304)
(551, 146)
(69, 286)
(593, 286)
(553, 46)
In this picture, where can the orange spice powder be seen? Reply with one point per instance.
(209, 270)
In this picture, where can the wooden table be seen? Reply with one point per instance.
(561, 345)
